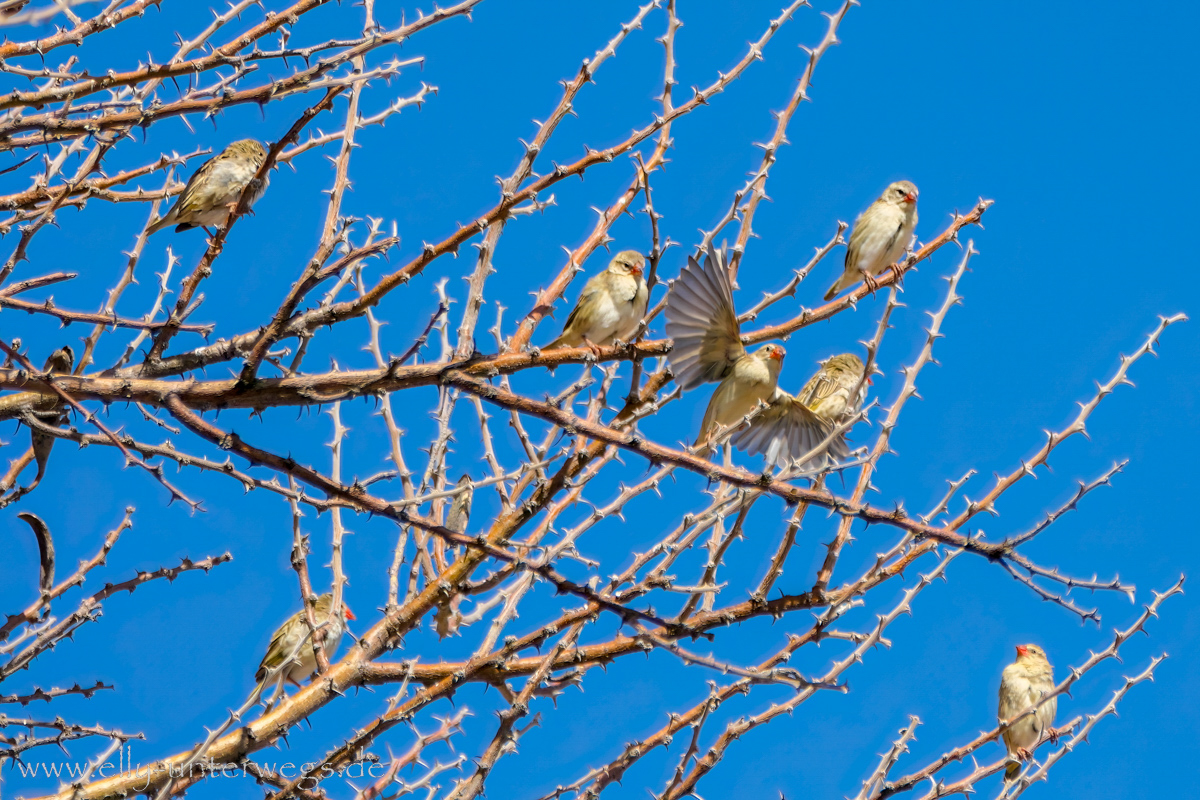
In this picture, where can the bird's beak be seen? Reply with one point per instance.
(346, 610)
(777, 355)
(870, 380)
(636, 270)
(1022, 650)
(911, 197)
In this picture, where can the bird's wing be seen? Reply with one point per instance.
(819, 386)
(702, 322)
(584, 310)
(279, 648)
(874, 236)
(858, 236)
(787, 430)
(193, 197)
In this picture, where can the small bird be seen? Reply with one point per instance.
(289, 637)
(213, 192)
(50, 411)
(1023, 683)
(611, 306)
(460, 509)
(707, 345)
(792, 427)
(60, 361)
(879, 237)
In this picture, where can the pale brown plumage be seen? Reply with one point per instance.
(211, 193)
(611, 305)
(879, 237)
(1023, 684)
(753, 379)
(707, 347)
(793, 427)
(292, 633)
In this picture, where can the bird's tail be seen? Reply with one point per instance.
(833, 290)
(1011, 771)
(562, 341)
(159, 225)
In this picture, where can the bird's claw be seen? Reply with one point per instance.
(870, 282)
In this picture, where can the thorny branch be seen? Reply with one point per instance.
(516, 558)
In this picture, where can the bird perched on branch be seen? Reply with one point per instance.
(785, 430)
(289, 642)
(1023, 684)
(213, 192)
(879, 237)
(707, 347)
(610, 307)
(459, 513)
(51, 412)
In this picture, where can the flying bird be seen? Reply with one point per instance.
(879, 237)
(792, 427)
(707, 347)
(212, 193)
(1024, 683)
(611, 306)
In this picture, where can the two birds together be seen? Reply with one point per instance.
(802, 429)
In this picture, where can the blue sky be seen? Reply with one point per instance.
(1074, 118)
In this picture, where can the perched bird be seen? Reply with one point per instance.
(791, 427)
(1023, 683)
(50, 411)
(289, 637)
(460, 509)
(611, 305)
(879, 237)
(448, 617)
(212, 193)
(61, 361)
(707, 347)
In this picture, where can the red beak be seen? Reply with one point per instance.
(636, 270)
(870, 380)
(911, 197)
(346, 610)
(777, 354)
(1022, 650)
